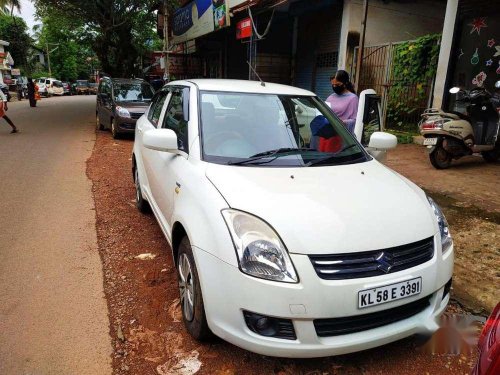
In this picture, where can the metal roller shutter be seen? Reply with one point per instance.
(317, 53)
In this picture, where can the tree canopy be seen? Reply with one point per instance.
(118, 31)
(15, 31)
(68, 44)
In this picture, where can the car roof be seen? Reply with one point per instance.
(234, 85)
(126, 80)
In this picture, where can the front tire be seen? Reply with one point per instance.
(193, 309)
(141, 204)
(440, 158)
(114, 129)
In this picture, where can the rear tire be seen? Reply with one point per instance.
(141, 204)
(492, 156)
(440, 158)
(193, 309)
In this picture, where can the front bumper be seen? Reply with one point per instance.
(126, 124)
(227, 292)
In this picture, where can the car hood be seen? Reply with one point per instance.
(137, 107)
(326, 210)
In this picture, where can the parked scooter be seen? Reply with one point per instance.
(451, 135)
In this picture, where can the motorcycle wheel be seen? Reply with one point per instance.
(493, 155)
(440, 158)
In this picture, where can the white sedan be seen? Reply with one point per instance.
(281, 248)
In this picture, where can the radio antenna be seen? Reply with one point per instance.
(262, 83)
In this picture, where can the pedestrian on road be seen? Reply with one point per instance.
(344, 101)
(31, 92)
(3, 109)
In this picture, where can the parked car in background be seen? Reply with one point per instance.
(82, 87)
(54, 86)
(120, 102)
(42, 87)
(67, 88)
(351, 254)
(93, 88)
(22, 87)
(5, 90)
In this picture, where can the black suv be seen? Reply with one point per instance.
(120, 102)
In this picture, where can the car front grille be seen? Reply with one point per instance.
(127, 126)
(358, 323)
(373, 263)
(135, 115)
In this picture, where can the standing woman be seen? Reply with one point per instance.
(344, 101)
(31, 92)
(3, 109)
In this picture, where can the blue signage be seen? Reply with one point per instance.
(183, 17)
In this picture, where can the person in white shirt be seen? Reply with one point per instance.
(4, 109)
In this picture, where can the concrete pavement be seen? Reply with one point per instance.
(53, 315)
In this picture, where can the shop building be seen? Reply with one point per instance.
(304, 42)
(470, 48)
(6, 62)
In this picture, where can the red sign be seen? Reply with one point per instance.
(244, 29)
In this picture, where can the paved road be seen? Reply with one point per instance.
(53, 315)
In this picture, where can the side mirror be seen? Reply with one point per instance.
(454, 90)
(381, 141)
(160, 140)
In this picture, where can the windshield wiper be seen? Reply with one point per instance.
(330, 157)
(271, 153)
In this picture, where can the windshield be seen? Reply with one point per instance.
(274, 130)
(133, 92)
(82, 83)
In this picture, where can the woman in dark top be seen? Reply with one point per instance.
(31, 92)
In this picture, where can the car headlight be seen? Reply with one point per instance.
(444, 230)
(122, 112)
(260, 251)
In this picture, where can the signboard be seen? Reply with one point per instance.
(244, 29)
(221, 17)
(197, 18)
(15, 72)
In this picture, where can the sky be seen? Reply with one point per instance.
(27, 13)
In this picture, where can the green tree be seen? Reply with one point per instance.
(15, 31)
(8, 6)
(119, 30)
(68, 45)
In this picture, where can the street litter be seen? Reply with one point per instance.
(146, 256)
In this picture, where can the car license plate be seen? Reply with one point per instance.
(389, 293)
(430, 141)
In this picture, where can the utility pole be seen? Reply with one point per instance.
(48, 55)
(48, 59)
(165, 39)
(361, 49)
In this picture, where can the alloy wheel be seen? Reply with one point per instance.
(186, 287)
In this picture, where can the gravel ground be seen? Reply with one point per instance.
(145, 321)
(469, 194)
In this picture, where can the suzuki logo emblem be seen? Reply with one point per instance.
(383, 264)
